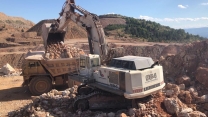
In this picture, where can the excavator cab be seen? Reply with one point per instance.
(50, 35)
(88, 63)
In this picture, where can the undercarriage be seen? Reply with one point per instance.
(93, 98)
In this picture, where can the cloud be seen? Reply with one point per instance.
(172, 19)
(204, 4)
(182, 7)
(149, 18)
(111, 13)
(180, 22)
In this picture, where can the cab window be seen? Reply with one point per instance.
(82, 63)
(32, 64)
(95, 62)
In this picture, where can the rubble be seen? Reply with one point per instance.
(173, 105)
(60, 50)
(59, 103)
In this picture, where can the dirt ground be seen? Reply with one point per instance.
(12, 95)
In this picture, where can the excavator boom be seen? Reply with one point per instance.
(91, 22)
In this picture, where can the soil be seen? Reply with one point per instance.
(107, 21)
(13, 96)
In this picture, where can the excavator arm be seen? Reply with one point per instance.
(91, 22)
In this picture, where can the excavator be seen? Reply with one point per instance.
(108, 79)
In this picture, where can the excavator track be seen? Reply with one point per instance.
(83, 97)
(100, 100)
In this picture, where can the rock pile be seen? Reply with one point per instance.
(184, 101)
(52, 104)
(59, 104)
(60, 50)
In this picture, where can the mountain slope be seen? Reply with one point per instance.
(15, 21)
(10, 25)
(198, 31)
(146, 30)
(72, 30)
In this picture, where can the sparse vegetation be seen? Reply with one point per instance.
(151, 31)
(112, 16)
(19, 22)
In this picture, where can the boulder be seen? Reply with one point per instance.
(111, 114)
(173, 105)
(204, 99)
(185, 112)
(172, 89)
(182, 86)
(184, 80)
(7, 69)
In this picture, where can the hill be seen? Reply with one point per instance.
(198, 31)
(10, 25)
(17, 22)
(146, 30)
(73, 31)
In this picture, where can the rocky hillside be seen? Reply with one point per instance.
(17, 22)
(10, 25)
(109, 21)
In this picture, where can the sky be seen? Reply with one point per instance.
(173, 13)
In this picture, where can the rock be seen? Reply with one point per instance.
(188, 98)
(122, 115)
(187, 110)
(72, 95)
(171, 105)
(204, 99)
(40, 114)
(35, 99)
(172, 90)
(184, 80)
(141, 106)
(132, 111)
(111, 114)
(182, 86)
(193, 91)
(7, 69)
(197, 114)
(60, 50)
(168, 86)
(169, 93)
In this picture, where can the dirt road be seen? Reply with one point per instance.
(12, 95)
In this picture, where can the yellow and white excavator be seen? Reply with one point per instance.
(104, 85)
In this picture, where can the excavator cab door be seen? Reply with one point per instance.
(89, 63)
(84, 65)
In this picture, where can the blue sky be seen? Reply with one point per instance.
(173, 13)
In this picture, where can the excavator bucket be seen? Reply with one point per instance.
(50, 35)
